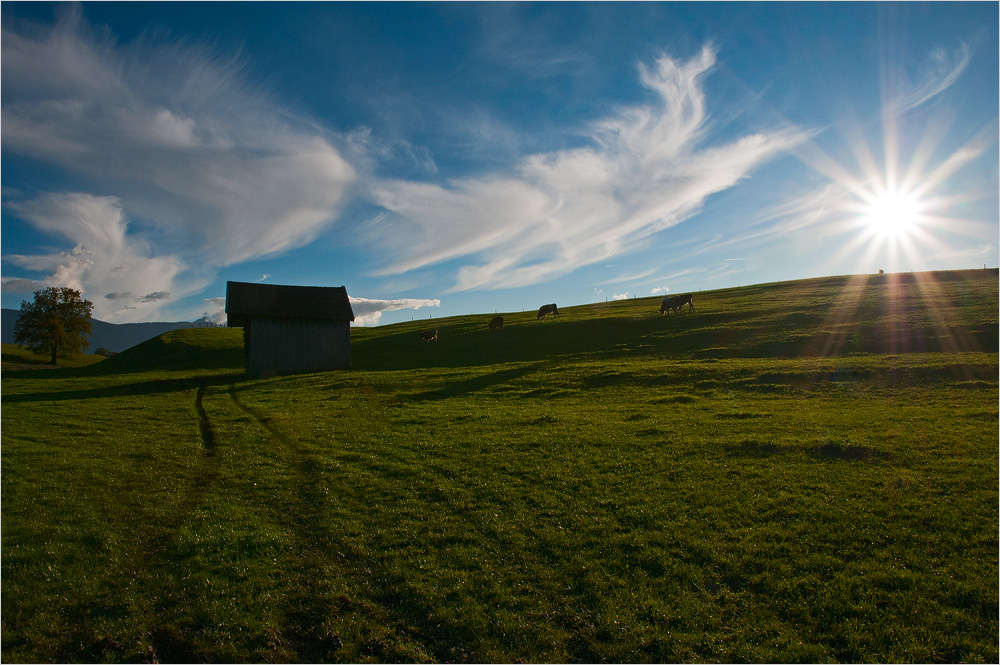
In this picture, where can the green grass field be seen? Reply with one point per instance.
(16, 357)
(802, 471)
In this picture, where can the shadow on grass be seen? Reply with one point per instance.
(20, 363)
(759, 449)
(129, 389)
(307, 608)
(477, 383)
(831, 450)
(834, 450)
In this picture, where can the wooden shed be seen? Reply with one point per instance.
(289, 329)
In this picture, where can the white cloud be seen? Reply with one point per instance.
(943, 68)
(216, 312)
(658, 290)
(106, 265)
(628, 277)
(643, 172)
(621, 296)
(214, 169)
(368, 312)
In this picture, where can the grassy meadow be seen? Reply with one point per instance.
(17, 357)
(798, 472)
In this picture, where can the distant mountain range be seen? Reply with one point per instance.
(111, 336)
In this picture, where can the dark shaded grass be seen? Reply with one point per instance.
(18, 358)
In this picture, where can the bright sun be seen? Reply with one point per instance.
(893, 213)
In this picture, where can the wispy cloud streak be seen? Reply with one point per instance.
(645, 170)
(942, 70)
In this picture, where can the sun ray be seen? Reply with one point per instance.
(895, 212)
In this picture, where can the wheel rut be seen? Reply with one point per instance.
(204, 424)
(307, 608)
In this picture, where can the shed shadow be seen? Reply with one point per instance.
(127, 389)
(477, 383)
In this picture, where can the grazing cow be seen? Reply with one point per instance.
(669, 303)
(686, 299)
(547, 309)
(496, 323)
(676, 303)
(429, 335)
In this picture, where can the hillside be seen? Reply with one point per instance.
(794, 472)
(829, 316)
(832, 316)
(889, 316)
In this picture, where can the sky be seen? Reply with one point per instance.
(455, 158)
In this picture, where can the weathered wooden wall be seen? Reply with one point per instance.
(284, 346)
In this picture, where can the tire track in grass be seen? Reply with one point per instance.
(155, 564)
(308, 609)
(394, 603)
(204, 424)
(167, 643)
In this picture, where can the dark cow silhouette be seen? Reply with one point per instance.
(496, 323)
(669, 303)
(676, 303)
(429, 335)
(547, 309)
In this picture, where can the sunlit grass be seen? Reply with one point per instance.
(614, 486)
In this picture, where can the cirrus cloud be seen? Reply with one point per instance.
(942, 69)
(646, 169)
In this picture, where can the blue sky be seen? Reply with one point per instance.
(451, 158)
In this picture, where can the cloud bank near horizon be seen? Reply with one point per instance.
(369, 311)
(104, 257)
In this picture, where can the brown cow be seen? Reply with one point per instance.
(669, 303)
(686, 299)
(429, 335)
(547, 309)
(676, 303)
(496, 323)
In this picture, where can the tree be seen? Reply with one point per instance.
(58, 321)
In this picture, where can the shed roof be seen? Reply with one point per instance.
(245, 300)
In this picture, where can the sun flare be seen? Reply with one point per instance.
(893, 213)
